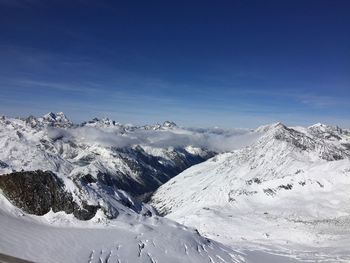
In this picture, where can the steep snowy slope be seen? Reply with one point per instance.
(288, 192)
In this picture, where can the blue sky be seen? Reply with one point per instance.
(227, 63)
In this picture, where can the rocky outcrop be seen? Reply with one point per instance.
(37, 192)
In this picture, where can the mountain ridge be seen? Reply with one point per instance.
(289, 178)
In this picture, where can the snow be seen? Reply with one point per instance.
(274, 194)
(284, 194)
(54, 143)
(57, 237)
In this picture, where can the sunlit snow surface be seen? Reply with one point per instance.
(288, 193)
(57, 237)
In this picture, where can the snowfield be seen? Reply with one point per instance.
(289, 192)
(58, 237)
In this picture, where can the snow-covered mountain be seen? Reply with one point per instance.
(70, 192)
(288, 192)
(51, 119)
(123, 157)
(67, 191)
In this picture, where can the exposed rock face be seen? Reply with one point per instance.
(37, 192)
(152, 171)
(3, 164)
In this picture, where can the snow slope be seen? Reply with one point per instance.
(288, 192)
(58, 237)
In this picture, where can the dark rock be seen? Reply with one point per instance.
(36, 192)
(88, 179)
(254, 180)
(151, 171)
(86, 212)
(321, 185)
(346, 145)
(3, 164)
(269, 191)
(286, 187)
(19, 134)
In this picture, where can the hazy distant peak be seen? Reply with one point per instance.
(97, 122)
(169, 124)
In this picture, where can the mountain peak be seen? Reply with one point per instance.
(58, 119)
(50, 114)
(323, 127)
(327, 132)
(97, 122)
(55, 116)
(169, 124)
(268, 127)
(317, 125)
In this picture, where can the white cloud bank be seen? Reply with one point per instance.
(218, 140)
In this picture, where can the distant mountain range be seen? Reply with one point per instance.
(108, 153)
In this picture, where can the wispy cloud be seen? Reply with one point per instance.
(322, 101)
(59, 86)
(213, 139)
